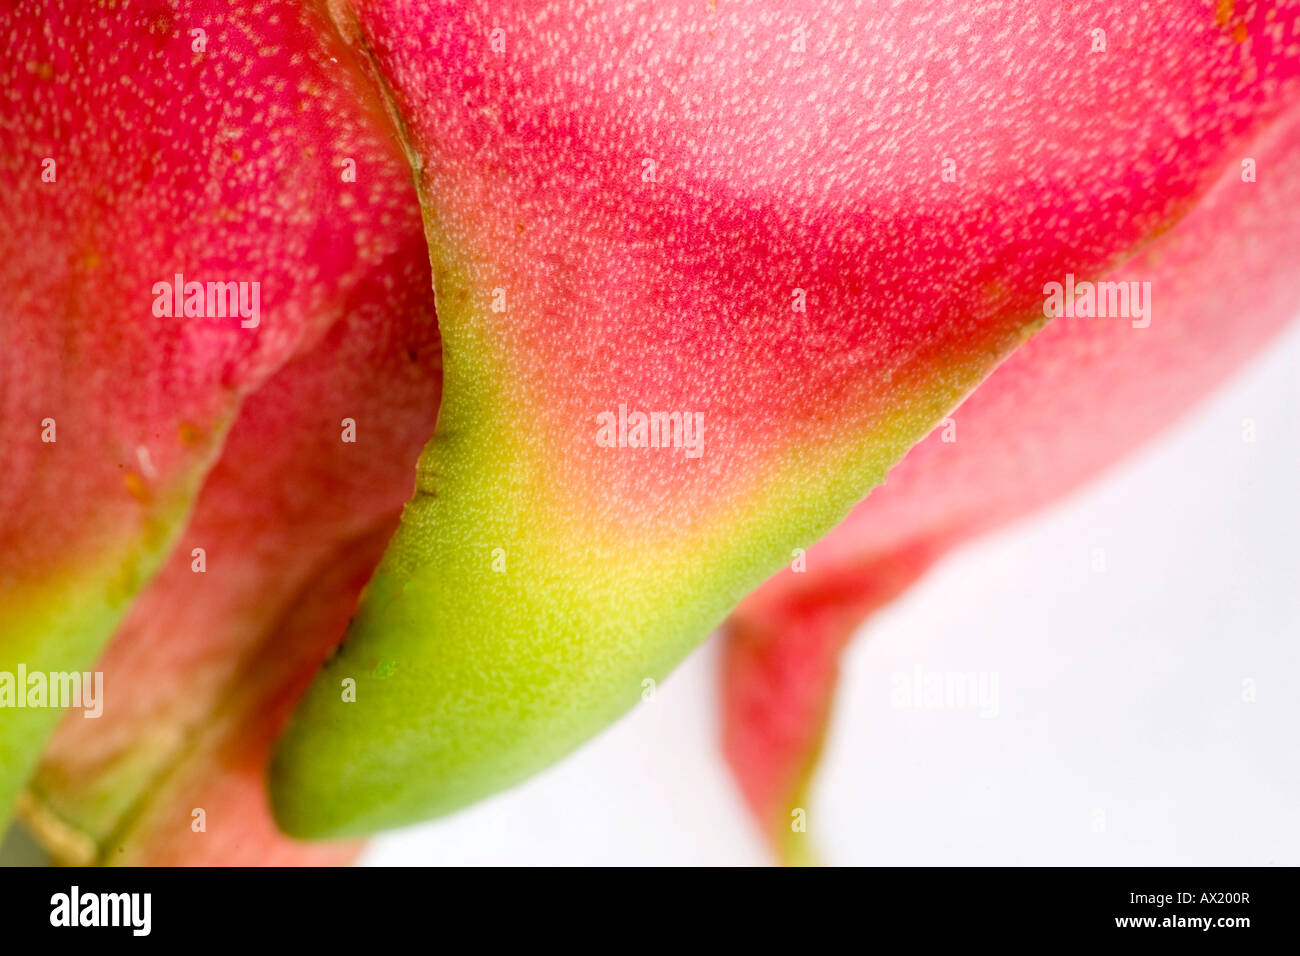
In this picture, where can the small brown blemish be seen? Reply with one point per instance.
(1223, 12)
(519, 228)
(90, 260)
(44, 70)
(190, 434)
(136, 486)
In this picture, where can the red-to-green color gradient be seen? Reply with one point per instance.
(1081, 394)
(642, 190)
(816, 229)
(221, 164)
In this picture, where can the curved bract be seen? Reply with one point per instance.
(1083, 393)
(139, 143)
(811, 235)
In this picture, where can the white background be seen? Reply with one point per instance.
(1122, 736)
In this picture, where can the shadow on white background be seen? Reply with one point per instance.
(1125, 729)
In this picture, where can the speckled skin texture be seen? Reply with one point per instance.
(292, 521)
(917, 170)
(779, 170)
(774, 170)
(1082, 393)
(223, 165)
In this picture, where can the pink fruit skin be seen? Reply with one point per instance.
(821, 168)
(224, 164)
(1081, 394)
(215, 165)
(920, 232)
(776, 170)
(206, 667)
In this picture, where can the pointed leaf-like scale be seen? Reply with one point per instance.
(780, 667)
(746, 216)
(211, 808)
(162, 139)
(1082, 394)
(289, 501)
